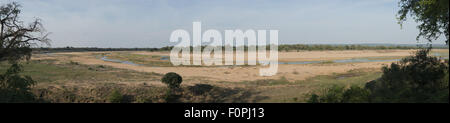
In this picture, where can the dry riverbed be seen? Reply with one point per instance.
(91, 76)
(292, 72)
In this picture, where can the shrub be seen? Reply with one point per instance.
(15, 88)
(115, 97)
(338, 94)
(420, 78)
(200, 89)
(415, 79)
(172, 80)
(356, 95)
(328, 95)
(172, 96)
(101, 66)
(74, 63)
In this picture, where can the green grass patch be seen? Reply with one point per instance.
(44, 71)
(153, 61)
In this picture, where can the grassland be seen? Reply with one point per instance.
(284, 91)
(47, 71)
(154, 60)
(74, 82)
(84, 77)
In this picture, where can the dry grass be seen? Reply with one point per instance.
(83, 77)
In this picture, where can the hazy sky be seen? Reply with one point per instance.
(148, 23)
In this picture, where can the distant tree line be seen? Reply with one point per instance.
(90, 49)
(299, 47)
(290, 47)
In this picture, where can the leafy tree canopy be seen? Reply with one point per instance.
(432, 14)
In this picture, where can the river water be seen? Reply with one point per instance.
(353, 60)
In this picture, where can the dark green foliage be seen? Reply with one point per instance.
(285, 47)
(200, 89)
(356, 95)
(101, 66)
(420, 78)
(173, 80)
(172, 96)
(338, 94)
(74, 63)
(314, 98)
(298, 47)
(15, 88)
(115, 97)
(91, 49)
(433, 16)
(415, 79)
(329, 95)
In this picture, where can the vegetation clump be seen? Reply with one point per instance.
(420, 78)
(16, 40)
(415, 79)
(432, 16)
(116, 97)
(15, 88)
(172, 80)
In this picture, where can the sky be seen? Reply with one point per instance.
(149, 23)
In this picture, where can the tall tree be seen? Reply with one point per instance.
(432, 14)
(16, 38)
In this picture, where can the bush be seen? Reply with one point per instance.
(116, 97)
(415, 79)
(15, 88)
(173, 80)
(101, 66)
(200, 89)
(338, 94)
(419, 79)
(171, 96)
(328, 95)
(74, 63)
(356, 95)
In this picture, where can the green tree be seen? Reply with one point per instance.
(432, 14)
(16, 40)
(173, 80)
(415, 79)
